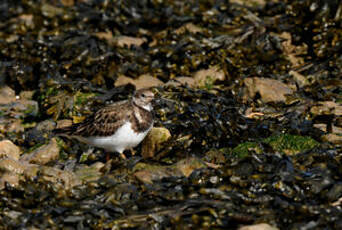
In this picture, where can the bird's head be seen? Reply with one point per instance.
(143, 98)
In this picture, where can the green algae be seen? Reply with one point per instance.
(284, 143)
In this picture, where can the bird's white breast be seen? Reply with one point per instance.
(124, 138)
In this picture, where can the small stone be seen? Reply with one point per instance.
(126, 41)
(63, 123)
(154, 140)
(59, 177)
(270, 90)
(7, 95)
(262, 226)
(208, 77)
(192, 28)
(187, 166)
(182, 81)
(333, 138)
(31, 171)
(46, 125)
(326, 108)
(26, 95)
(143, 81)
(299, 78)
(43, 154)
(8, 149)
(148, 173)
(10, 178)
(11, 165)
(90, 173)
(51, 11)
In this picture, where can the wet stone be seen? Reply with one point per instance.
(154, 140)
(11, 165)
(7, 95)
(59, 178)
(9, 178)
(44, 154)
(8, 149)
(206, 78)
(143, 81)
(270, 90)
(259, 227)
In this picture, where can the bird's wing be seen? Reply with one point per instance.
(104, 122)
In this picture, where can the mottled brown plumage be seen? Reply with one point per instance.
(137, 112)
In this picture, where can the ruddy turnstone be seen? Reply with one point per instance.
(117, 127)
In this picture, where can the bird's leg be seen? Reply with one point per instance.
(107, 156)
(133, 152)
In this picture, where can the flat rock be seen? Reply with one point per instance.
(89, 173)
(326, 108)
(333, 138)
(300, 79)
(262, 226)
(60, 178)
(208, 77)
(126, 41)
(7, 95)
(11, 165)
(8, 149)
(143, 81)
(63, 123)
(43, 154)
(11, 178)
(148, 173)
(154, 140)
(270, 90)
(190, 27)
(189, 81)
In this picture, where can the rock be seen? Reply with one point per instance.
(192, 28)
(26, 107)
(8, 149)
(294, 53)
(333, 138)
(270, 90)
(143, 81)
(51, 11)
(250, 3)
(207, 77)
(11, 178)
(26, 95)
(11, 165)
(31, 171)
(43, 154)
(126, 41)
(58, 177)
(63, 123)
(262, 226)
(154, 140)
(68, 2)
(300, 79)
(89, 173)
(148, 173)
(326, 108)
(187, 166)
(7, 95)
(182, 81)
(335, 129)
(46, 125)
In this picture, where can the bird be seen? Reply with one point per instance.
(116, 127)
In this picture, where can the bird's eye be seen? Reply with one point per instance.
(143, 95)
